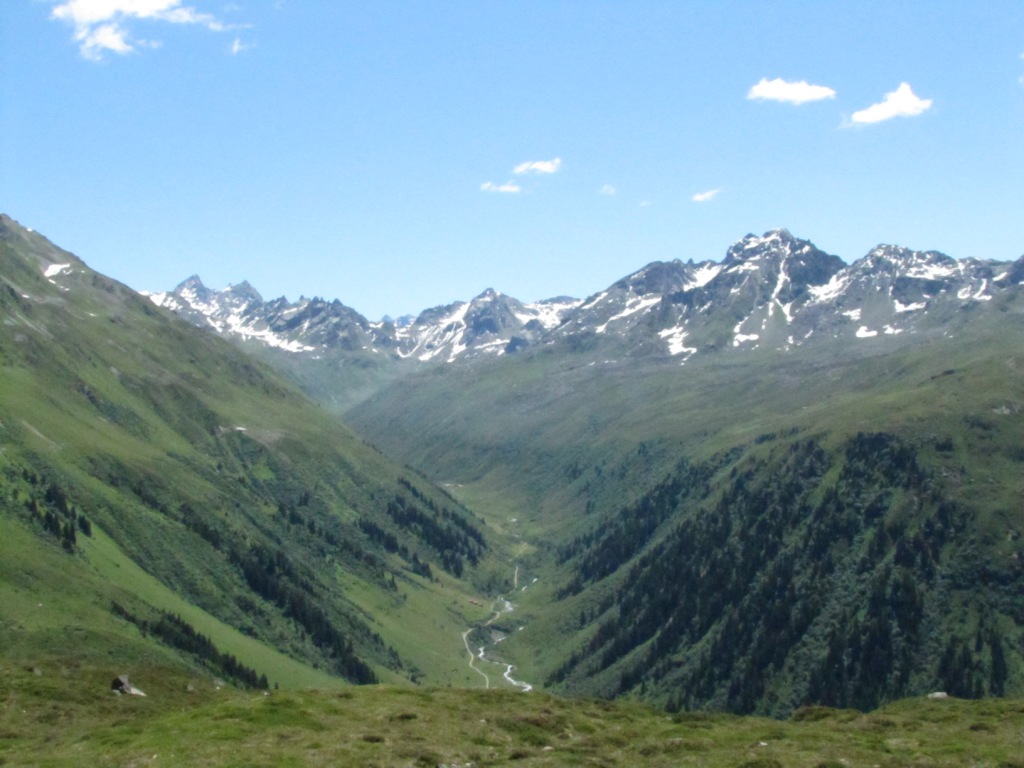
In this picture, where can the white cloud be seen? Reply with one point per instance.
(509, 187)
(607, 189)
(238, 46)
(538, 166)
(103, 37)
(899, 103)
(792, 93)
(703, 197)
(102, 25)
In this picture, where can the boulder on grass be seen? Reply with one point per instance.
(122, 684)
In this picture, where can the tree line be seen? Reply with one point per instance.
(172, 630)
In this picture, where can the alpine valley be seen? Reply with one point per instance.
(752, 485)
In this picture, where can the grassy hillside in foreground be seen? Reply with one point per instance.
(200, 505)
(55, 715)
(754, 531)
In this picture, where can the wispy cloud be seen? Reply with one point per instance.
(607, 189)
(899, 103)
(791, 93)
(102, 26)
(238, 46)
(538, 166)
(703, 197)
(509, 187)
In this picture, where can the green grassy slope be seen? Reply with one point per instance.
(171, 474)
(58, 611)
(56, 716)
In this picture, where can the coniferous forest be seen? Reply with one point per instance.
(760, 583)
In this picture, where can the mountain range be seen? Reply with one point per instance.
(752, 485)
(775, 291)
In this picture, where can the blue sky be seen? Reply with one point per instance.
(400, 155)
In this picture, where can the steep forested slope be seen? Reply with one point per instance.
(790, 573)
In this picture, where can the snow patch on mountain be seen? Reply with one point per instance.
(55, 269)
(632, 307)
(924, 269)
(831, 290)
(909, 307)
(742, 338)
(549, 314)
(676, 338)
(703, 275)
(236, 324)
(968, 292)
(750, 265)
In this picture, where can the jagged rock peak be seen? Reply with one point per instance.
(488, 294)
(244, 290)
(658, 277)
(774, 241)
(780, 257)
(194, 282)
(897, 259)
(194, 291)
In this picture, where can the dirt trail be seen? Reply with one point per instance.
(472, 659)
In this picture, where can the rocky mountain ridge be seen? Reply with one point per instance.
(774, 291)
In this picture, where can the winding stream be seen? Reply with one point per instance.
(500, 606)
